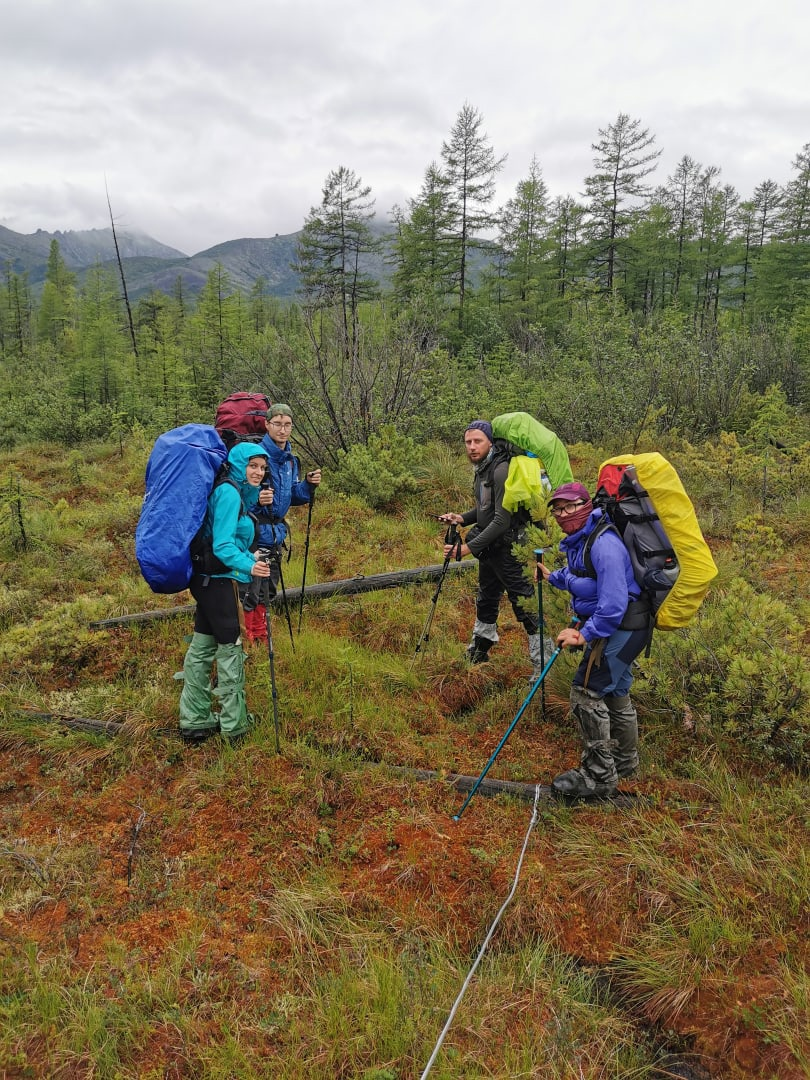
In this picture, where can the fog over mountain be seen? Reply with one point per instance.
(149, 264)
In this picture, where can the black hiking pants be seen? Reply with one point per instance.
(500, 572)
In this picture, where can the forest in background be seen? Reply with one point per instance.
(680, 308)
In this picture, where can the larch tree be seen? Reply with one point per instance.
(58, 306)
(470, 169)
(566, 235)
(680, 194)
(335, 242)
(423, 252)
(523, 235)
(625, 156)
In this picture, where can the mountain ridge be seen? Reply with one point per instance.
(151, 265)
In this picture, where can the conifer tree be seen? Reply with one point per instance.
(335, 243)
(423, 248)
(617, 194)
(567, 228)
(470, 169)
(523, 236)
(680, 194)
(58, 305)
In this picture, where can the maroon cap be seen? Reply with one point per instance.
(572, 492)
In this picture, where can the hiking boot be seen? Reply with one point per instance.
(477, 652)
(193, 736)
(579, 784)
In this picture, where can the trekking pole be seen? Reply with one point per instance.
(273, 692)
(450, 537)
(306, 556)
(538, 554)
(509, 730)
(284, 595)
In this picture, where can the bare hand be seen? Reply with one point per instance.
(260, 568)
(266, 497)
(571, 637)
(541, 568)
(450, 549)
(452, 519)
(314, 477)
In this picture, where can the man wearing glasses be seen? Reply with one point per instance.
(613, 621)
(280, 490)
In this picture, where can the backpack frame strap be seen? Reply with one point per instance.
(591, 539)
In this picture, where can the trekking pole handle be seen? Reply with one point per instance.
(453, 536)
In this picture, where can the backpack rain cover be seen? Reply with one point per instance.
(180, 474)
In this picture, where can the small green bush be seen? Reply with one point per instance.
(741, 665)
(381, 472)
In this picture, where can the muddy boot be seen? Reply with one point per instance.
(596, 775)
(624, 731)
(234, 719)
(485, 635)
(477, 651)
(197, 722)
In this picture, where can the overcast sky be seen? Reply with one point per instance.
(218, 119)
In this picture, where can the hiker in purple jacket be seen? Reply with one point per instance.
(613, 623)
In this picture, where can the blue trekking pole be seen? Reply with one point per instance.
(510, 729)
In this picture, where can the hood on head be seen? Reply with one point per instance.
(240, 454)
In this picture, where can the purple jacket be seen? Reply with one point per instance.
(601, 601)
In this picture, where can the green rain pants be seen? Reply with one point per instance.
(195, 699)
(234, 719)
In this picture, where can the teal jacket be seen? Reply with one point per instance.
(232, 528)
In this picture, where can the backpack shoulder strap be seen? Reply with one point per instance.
(224, 477)
(602, 527)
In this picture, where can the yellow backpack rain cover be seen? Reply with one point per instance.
(677, 516)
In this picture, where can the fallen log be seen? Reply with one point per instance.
(463, 783)
(457, 781)
(345, 587)
(75, 723)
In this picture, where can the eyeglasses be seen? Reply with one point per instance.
(566, 509)
(280, 423)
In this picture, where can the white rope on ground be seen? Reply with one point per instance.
(490, 932)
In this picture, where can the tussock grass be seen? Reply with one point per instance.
(314, 913)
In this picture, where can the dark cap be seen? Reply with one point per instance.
(480, 425)
(570, 492)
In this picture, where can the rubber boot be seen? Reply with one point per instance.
(485, 635)
(197, 722)
(624, 730)
(234, 719)
(596, 775)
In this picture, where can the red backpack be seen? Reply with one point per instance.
(241, 416)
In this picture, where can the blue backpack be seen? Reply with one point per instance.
(180, 475)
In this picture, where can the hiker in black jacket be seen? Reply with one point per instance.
(494, 531)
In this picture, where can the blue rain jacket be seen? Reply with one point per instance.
(288, 490)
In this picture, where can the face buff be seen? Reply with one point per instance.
(571, 523)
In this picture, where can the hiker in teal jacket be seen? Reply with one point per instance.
(216, 622)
